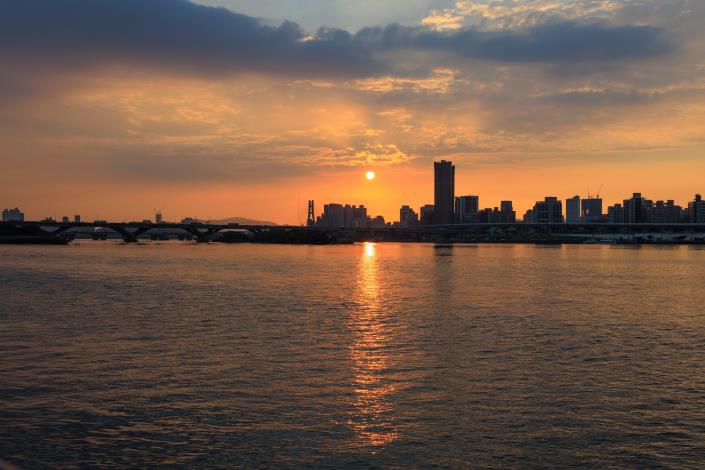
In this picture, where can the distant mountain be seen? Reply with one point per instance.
(239, 220)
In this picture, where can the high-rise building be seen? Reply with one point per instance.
(65, 219)
(426, 216)
(337, 215)
(466, 209)
(591, 211)
(444, 192)
(548, 211)
(494, 216)
(572, 210)
(615, 214)
(696, 210)
(665, 213)
(158, 219)
(378, 222)
(508, 215)
(12, 215)
(408, 217)
(77, 219)
(636, 209)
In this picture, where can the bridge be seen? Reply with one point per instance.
(131, 232)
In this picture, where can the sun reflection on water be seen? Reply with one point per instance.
(372, 419)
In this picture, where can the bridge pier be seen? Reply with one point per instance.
(202, 236)
(127, 236)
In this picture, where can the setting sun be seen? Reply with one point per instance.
(370, 175)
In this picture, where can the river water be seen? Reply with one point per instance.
(369, 355)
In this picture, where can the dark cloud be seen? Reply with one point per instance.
(172, 33)
(177, 34)
(552, 42)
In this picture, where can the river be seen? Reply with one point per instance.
(366, 355)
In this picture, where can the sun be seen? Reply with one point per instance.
(370, 175)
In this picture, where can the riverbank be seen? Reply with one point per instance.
(11, 235)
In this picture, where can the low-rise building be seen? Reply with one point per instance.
(12, 215)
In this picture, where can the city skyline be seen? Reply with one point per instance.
(462, 208)
(529, 98)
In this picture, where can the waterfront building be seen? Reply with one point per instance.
(494, 216)
(158, 218)
(529, 217)
(591, 210)
(572, 210)
(507, 212)
(12, 215)
(696, 210)
(378, 222)
(466, 209)
(338, 215)
(408, 217)
(65, 219)
(444, 192)
(665, 213)
(333, 216)
(548, 211)
(615, 214)
(426, 214)
(636, 209)
(77, 219)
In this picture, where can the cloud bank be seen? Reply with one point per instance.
(183, 36)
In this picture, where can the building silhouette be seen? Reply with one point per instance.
(548, 211)
(696, 210)
(426, 214)
(665, 213)
(444, 192)
(12, 215)
(507, 213)
(466, 209)
(347, 216)
(636, 209)
(615, 214)
(572, 210)
(408, 217)
(591, 210)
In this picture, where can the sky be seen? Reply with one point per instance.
(113, 109)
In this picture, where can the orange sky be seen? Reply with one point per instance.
(116, 129)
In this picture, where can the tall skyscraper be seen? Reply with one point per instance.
(572, 210)
(444, 192)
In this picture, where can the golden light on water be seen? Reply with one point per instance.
(372, 419)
